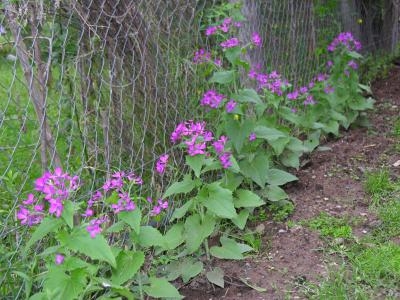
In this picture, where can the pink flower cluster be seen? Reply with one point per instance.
(347, 40)
(272, 81)
(256, 39)
(162, 163)
(157, 209)
(224, 156)
(196, 138)
(55, 189)
(230, 43)
(212, 99)
(224, 27)
(201, 56)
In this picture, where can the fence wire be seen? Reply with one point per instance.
(96, 86)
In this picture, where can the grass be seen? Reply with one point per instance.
(369, 267)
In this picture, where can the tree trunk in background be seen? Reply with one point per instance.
(350, 14)
(391, 16)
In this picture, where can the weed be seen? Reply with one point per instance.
(329, 226)
(377, 184)
(281, 210)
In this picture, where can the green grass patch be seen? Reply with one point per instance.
(329, 226)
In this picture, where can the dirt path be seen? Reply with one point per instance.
(331, 182)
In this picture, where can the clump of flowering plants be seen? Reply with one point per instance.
(97, 247)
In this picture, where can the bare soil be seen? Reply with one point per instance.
(333, 182)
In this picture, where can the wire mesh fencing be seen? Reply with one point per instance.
(98, 86)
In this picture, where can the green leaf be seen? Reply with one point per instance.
(161, 288)
(96, 248)
(361, 103)
(279, 144)
(246, 198)
(219, 201)
(116, 227)
(184, 186)
(332, 127)
(128, 264)
(61, 286)
(47, 225)
(181, 211)
(68, 213)
(187, 268)
(196, 163)
(312, 141)
(150, 236)
(296, 145)
(290, 159)
(231, 181)
(174, 236)
(223, 77)
(241, 220)
(196, 231)
(216, 277)
(354, 54)
(270, 134)
(238, 132)
(233, 54)
(275, 193)
(365, 88)
(254, 287)
(132, 218)
(230, 249)
(257, 169)
(279, 177)
(247, 96)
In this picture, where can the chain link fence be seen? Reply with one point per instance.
(98, 86)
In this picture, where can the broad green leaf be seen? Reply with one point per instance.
(279, 144)
(150, 236)
(257, 169)
(279, 177)
(275, 193)
(116, 227)
(238, 132)
(241, 220)
(68, 213)
(231, 181)
(62, 286)
(354, 54)
(247, 96)
(223, 77)
(187, 268)
(270, 134)
(312, 141)
(181, 211)
(47, 225)
(365, 88)
(219, 201)
(361, 103)
(39, 296)
(128, 263)
(230, 249)
(296, 145)
(195, 163)
(233, 54)
(290, 159)
(161, 288)
(174, 236)
(216, 277)
(332, 127)
(96, 248)
(132, 218)
(184, 186)
(246, 198)
(196, 231)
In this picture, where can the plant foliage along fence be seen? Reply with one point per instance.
(126, 126)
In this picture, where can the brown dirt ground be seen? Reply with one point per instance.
(333, 182)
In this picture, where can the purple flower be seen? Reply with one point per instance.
(347, 73)
(347, 40)
(233, 42)
(293, 110)
(252, 136)
(161, 163)
(211, 30)
(309, 100)
(94, 226)
(303, 89)
(329, 64)
(311, 84)
(218, 62)
(201, 56)
(256, 39)
(230, 106)
(352, 64)
(224, 27)
(293, 95)
(237, 24)
(225, 160)
(30, 200)
(329, 89)
(212, 99)
(59, 259)
(219, 145)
